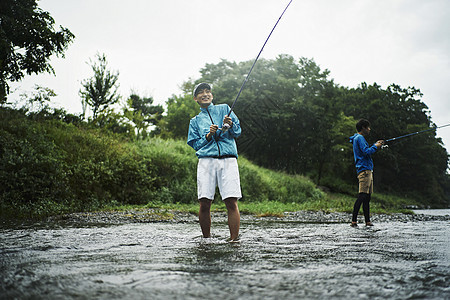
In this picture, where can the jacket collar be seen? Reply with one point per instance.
(209, 107)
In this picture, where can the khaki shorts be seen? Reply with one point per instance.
(365, 179)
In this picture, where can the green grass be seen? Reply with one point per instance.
(266, 208)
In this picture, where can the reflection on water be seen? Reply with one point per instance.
(274, 260)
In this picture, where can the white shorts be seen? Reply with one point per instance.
(212, 172)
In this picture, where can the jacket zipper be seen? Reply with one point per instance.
(217, 143)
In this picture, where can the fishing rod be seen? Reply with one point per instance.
(414, 133)
(225, 127)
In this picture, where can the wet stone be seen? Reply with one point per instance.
(173, 216)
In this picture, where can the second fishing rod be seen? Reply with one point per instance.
(413, 133)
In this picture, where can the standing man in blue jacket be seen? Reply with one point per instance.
(364, 168)
(217, 159)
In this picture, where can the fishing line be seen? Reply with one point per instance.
(414, 133)
(225, 127)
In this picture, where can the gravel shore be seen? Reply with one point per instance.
(173, 216)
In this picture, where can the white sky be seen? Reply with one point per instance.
(158, 44)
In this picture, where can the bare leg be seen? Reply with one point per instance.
(234, 217)
(204, 217)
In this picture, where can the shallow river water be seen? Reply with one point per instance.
(275, 259)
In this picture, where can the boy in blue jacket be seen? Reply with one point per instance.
(364, 168)
(217, 159)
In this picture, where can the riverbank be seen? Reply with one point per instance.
(151, 215)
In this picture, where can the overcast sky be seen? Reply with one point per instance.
(157, 45)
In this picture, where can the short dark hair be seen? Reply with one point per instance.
(363, 123)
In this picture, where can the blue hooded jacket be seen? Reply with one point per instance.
(222, 143)
(362, 153)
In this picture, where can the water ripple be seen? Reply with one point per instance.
(274, 260)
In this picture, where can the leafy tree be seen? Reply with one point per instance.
(285, 111)
(295, 118)
(101, 90)
(114, 122)
(27, 41)
(142, 113)
(38, 100)
(180, 109)
(414, 166)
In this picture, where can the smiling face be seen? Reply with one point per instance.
(204, 98)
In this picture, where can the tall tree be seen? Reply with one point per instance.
(414, 166)
(38, 100)
(101, 90)
(142, 113)
(180, 109)
(27, 41)
(295, 118)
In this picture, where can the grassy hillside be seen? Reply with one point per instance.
(49, 167)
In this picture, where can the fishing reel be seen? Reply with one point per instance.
(225, 127)
(385, 146)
